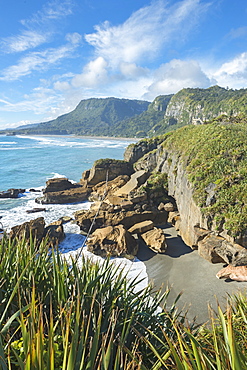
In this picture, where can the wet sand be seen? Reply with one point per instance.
(183, 270)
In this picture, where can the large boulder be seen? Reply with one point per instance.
(54, 232)
(207, 246)
(34, 229)
(216, 249)
(11, 193)
(238, 273)
(105, 170)
(74, 195)
(155, 240)
(58, 184)
(112, 241)
(141, 227)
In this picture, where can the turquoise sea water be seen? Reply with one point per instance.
(28, 162)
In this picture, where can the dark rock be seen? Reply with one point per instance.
(11, 193)
(55, 233)
(34, 210)
(74, 195)
(34, 228)
(117, 215)
(207, 248)
(59, 184)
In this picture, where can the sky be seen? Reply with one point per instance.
(54, 53)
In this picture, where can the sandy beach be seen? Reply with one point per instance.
(183, 270)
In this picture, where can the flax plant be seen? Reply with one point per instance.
(55, 315)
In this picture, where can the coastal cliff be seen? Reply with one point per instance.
(206, 175)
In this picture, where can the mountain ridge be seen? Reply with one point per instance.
(139, 118)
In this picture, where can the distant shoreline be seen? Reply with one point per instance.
(81, 136)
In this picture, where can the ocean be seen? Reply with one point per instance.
(27, 162)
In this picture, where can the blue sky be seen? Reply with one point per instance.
(55, 53)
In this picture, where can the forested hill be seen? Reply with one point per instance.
(98, 117)
(137, 118)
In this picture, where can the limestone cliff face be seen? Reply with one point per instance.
(179, 187)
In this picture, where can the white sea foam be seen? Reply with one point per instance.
(18, 215)
(73, 246)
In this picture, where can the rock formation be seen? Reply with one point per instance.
(61, 191)
(36, 230)
(11, 193)
(112, 241)
(238, 273)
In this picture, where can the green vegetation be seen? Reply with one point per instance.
(216, 153)
(204, 104)
(97, 117)
(55, 315)
(137, 118)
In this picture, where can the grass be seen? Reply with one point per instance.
(55, 315)
(215, 153)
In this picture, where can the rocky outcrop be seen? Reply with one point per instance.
(108, 215)
(11, 193)
(105, 170)
(138, 178)
(112, 241)
(54, 232)
(36, 230)
(134, 152)
(61, 191)
(59, 184)
(192, 225)
(106, 189)
(74, 195)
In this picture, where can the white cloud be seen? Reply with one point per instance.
(53, 10)
(176, 75)
(19, 43)
(131, 70)
(233, 73)
(145, 32)
(36, 61)
(39, 28)
(61, 85)
(73, 38)
(94, 74)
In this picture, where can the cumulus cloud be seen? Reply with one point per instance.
(176, 75)
(131, 70)
(93, 74)
(233, 73)
(145, 32)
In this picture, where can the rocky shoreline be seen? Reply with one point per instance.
(131, 201)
